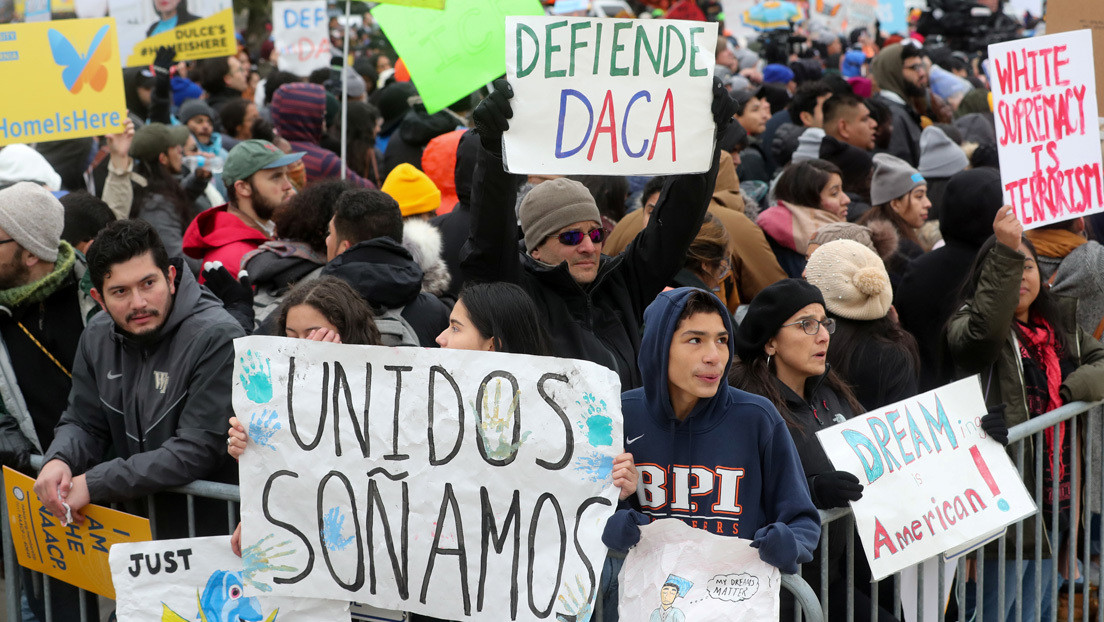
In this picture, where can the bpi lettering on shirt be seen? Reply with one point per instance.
(703, 497)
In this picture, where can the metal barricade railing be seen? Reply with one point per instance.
(802, 593)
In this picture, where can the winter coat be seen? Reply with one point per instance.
(423, 241)
(752, 264)
(905, 140)
(929, 289)
(600, 321)
(298, 112)
(788, 228)
(385, 274)
(218, 235)
(416, 130)
(880, 372)
(273, 268)
(454, 226)
(732, 431)
(160, 408)
(982, 341)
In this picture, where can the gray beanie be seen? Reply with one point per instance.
(553, 205)
(939, 155)
(193, 108)
(893, 179)
(33, 218)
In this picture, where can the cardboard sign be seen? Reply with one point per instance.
(77, 553)
(932, 479)
(1044, 102)
(601, 96)
(201, 579)
(196, 28)
(460, 485)
(453, 52)
(72, 68)
(609, 96)
(677, 573)
(300, 29)
(1069, 15)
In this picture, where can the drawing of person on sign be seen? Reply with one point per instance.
(170, 14)
(674, 587)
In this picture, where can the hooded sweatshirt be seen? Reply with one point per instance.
(929, 288)
(298, 110)
(218, 235)
(734, 447)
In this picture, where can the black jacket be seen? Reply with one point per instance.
(879, 371)
(454, 226)
(599, 322)
(385, 274)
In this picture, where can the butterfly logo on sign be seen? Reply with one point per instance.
(77, 69)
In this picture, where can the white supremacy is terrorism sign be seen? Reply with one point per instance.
(933, 480)
(456, 484)
(609, 96)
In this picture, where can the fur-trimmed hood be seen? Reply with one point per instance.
(423, 241)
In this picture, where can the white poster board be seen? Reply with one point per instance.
(301, 34)
(609, 96)
(460, 485)
(932, 479)
(182, 580)
(678, 574)
(1044, 101)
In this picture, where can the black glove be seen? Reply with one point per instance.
(994, 426)
(236, 296)
(491, 116)
(835, 488)
(164, 59)
(15, 449)
(724, 107)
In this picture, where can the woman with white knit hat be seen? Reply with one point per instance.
(870, 350)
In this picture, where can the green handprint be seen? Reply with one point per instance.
(256, 377)
(258, 558)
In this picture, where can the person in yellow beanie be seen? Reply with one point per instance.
(414, 190)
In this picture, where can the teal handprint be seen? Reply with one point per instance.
(579, 609)
(256, 377)
(258, 558)
(262, 426)
(332, 524)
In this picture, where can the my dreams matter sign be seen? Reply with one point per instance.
(609, 96)
(456, 484)
(933, 480)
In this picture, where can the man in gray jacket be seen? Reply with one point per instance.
(151, 386)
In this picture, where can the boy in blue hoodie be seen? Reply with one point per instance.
(715, 457)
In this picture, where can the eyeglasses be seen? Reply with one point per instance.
(812, 327)
(575, 236)
(914, 67)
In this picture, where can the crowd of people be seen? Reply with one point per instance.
(848, 248)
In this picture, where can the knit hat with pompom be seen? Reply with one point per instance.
(852, 278)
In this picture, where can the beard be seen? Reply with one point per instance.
(914, 90)
(262, 207)
(15, 273)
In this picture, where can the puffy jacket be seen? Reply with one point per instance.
(160, 408)
(386, 275)
(981, 341)
(218, 235)
(600, 321)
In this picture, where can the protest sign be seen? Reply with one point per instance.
(932, 479)
(300, 30)
(421, 4)
(453, 52)
(456, 484)
(195, 28)
(679, 573)
(1044, 101)
(1069, 15)
(609, 96)
(76, 553)
(893, 17)
(72, 68)
(201, 579)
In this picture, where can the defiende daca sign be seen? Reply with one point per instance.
(456, 484)
(609, 96)
(1044, 101)
(933, 480)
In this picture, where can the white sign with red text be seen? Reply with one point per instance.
(302, 36)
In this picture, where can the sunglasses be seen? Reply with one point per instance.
(575, 237)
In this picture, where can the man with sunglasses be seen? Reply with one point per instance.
(592, 305)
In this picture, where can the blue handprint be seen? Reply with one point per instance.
(262, 426)
(331, 530)
(256, 378)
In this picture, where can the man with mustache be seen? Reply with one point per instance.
(151, 387)
(257, 184)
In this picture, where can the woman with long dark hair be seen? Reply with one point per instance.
(1032, 358)
(870, 350)
(899, 194)
(496, 317)
(810, 194)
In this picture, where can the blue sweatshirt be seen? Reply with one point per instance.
(730, 467)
